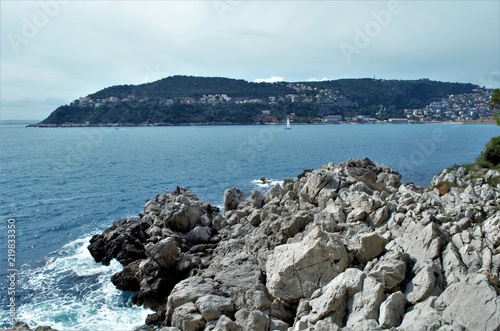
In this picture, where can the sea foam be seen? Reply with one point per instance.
(69, 291)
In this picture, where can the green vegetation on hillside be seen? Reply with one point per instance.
(185, 99)
(495, 104)
(394, 95)
(194, 87)
(490, 157)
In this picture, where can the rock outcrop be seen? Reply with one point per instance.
(21, 326)
(344, 247)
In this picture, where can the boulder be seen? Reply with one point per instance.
(380, 216)
(251, 297)
(278, 325)
(212, 306)
(331, 300)
(188, 318)
(151, 207)
(470, 306)
(420, 242)
(296, 270)
(421, 286)
(275, 192)
(188, 290)
(232, 198)
(390, 270)
(365, 304)
(21, 326)
(255, 200)
(124, 241)
(491, 228)
(315, 183)
(186, 216)
(252, 320)
(254, 218)
(392, 310)
(224, 323)
(422, 319)
(165, 252)
(298, 223)
(281, 311)
(200, 235)
(389, 180)
(357, 215)
(125, 279)
(233, 267)
(371, 245)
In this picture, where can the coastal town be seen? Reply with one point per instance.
(460, 108)
(186, 100)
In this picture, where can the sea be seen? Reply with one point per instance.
(59, 186)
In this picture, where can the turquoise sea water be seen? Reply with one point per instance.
(63, 185)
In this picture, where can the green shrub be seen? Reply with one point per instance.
(491, 156)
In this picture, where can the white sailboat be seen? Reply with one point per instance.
(288, 127)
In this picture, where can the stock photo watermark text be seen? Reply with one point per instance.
(11, 271)
(372, 29)
(31, 25)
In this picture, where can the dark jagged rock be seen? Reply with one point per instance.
(156, 248)
(344, 247)
(21, 326)
(123, 241)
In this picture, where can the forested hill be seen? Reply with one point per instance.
(194, 87)
(202, 100)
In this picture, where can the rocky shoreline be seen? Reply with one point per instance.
(344, 247)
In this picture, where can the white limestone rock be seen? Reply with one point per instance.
(315, 183)
(365, 304)
(392, 310)
(188, 290)
(296, 270)
(422, 243)
(422, 319)
(224, 323)
(390, 270)
(372, 245)
(331, 299)
(212, 306)
(470, 306)
(421, 286)
(252, 319)
(188, 318)
(380, 216)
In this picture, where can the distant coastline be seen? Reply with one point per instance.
(118, 125)
(18, 122)
(187, 101)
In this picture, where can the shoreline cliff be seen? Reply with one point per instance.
(344, 247)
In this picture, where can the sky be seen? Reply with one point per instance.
(53, 52)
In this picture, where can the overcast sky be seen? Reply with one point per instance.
(53, 52)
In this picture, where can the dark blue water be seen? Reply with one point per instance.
(63, 185)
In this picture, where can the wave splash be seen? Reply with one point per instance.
(70, 291)
(263, 183)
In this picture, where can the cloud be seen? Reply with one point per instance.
(318, 80)
(272, 79)
(129, 42)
